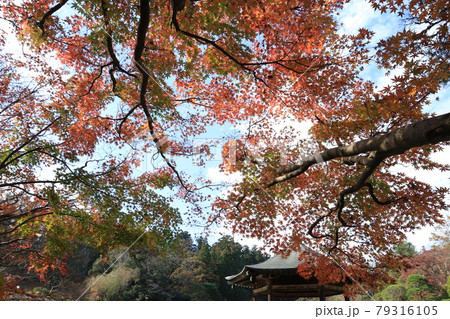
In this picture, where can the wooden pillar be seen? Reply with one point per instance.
(322, 294)
(269, 288)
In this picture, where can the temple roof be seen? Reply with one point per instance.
(277, 264)
(278, 276)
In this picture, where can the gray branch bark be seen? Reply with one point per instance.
(429, 131)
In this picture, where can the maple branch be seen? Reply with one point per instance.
(79, 177)
(49, 13)
(15, 184)
(91, 86)
(110, 48)
(26, 93)
(360, 160)
(7, 160)
(244, 65)
(338, 209)
(239, 202)
(309, 68)
(124, 119)
(429, 131)
(6, 217)
(341, 204)
(316, 222)
(12, 241)
(204, 40)
(5, 164)
(25, 222)
(374, 198)
(144, 20)
(178, 5)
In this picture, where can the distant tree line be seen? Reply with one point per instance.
(188, 270)
(195, 270)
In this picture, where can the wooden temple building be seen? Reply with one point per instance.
(277, 278)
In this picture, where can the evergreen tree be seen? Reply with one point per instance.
(230, 258)
(418, 288)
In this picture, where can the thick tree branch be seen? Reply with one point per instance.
(48, 14)
(429, 131)
(144, 20)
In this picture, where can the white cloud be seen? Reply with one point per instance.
(11, 45)
(216, 175)
(386, 79)
(420, 238)
(358, 14)
(221, 231)
(355, 15)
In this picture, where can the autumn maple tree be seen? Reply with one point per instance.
(94, 77)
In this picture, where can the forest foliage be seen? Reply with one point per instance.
(191, 270)
(195, 271)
